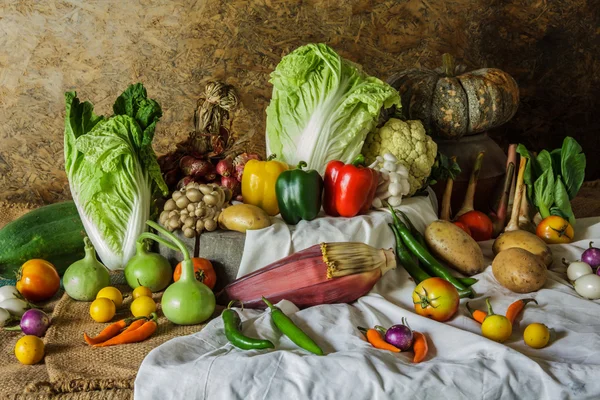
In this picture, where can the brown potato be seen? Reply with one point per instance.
(519, 270)
(526, 241)
(451, 244)
(243, 217)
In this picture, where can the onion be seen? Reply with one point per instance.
(591, 256)
(16, 307)
(35, 322)
(400, 336)
(8, 292)
(225, 166)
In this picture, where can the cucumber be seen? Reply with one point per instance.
(53, 233)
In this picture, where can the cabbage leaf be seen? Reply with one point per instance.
(322, 107)
(112, 170)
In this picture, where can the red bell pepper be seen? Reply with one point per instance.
(349, 189)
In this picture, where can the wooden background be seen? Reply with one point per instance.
(98, 47)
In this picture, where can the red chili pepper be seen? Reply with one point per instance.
(349, 188)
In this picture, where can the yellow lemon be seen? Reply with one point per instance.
(29, 350)
(102, 309)
(143, 306)
(111, 293)
(536, 335)
(141, 291)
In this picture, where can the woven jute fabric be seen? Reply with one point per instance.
(72, 367)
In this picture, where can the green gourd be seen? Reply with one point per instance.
(148, 269)
(84, 278)
(187, 301)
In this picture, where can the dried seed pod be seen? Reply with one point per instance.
(174, 222)
(210, 225)
(194, 195)
(182, 202)
(176, 194)
(210, 199)
(189, 233)
(170, 205)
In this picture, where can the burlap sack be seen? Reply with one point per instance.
(71, 365)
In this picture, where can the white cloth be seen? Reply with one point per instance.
(461, 364)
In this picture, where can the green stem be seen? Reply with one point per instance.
(268, 303)
(180, 246)
(359, 160)
(544, 210)
(272, 157)
(448, 64)
(156, 238)
(489, 306)
(302, 164)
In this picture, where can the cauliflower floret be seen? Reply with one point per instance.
(410, 144)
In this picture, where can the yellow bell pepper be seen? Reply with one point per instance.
(258, 184)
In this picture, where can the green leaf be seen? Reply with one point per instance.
(556, 160)
(561, 199)
(544, 192)
(573, 164)
(443, 168)
(544, 160)
(322, 107)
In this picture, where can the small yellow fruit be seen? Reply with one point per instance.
(141, 291)
(29, 350)
(112, 293)
(102, 309)
(143, 306)
(496, 327)
(536, 335)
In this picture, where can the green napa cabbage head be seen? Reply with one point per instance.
(112, 170)
(322, 107)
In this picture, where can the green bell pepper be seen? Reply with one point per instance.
(299, 194)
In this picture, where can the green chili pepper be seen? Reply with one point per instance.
(289, 329)
(299, 194)
(233, 326)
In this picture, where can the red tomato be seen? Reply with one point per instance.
(436, 298)
(479, 224)
(463, 227)
(554, 230)
(203, 269)
(38, 280)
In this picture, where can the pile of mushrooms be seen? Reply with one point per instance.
(195, 208)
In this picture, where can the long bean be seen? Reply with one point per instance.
(405, 257)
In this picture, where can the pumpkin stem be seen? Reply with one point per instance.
(448, 64)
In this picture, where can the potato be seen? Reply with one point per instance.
(519, 270)
(526, 241)
(451, 244)
(243, 217)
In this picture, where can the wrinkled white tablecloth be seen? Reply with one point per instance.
(461, 364)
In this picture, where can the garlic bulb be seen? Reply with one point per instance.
(393, 181)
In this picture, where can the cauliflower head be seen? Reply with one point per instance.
(410, 144)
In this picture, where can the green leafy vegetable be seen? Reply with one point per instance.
(554, 178)
(322, 107)
(113, 171)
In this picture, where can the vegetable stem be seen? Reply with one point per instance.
(498, 216)
(448, 64)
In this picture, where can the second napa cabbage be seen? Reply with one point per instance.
(322, 107)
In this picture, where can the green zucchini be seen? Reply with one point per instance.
(53, 233)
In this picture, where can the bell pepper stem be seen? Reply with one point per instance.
(302, 164)
(272, 157)
(359, 160)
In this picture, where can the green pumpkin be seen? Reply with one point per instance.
(453, 106)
